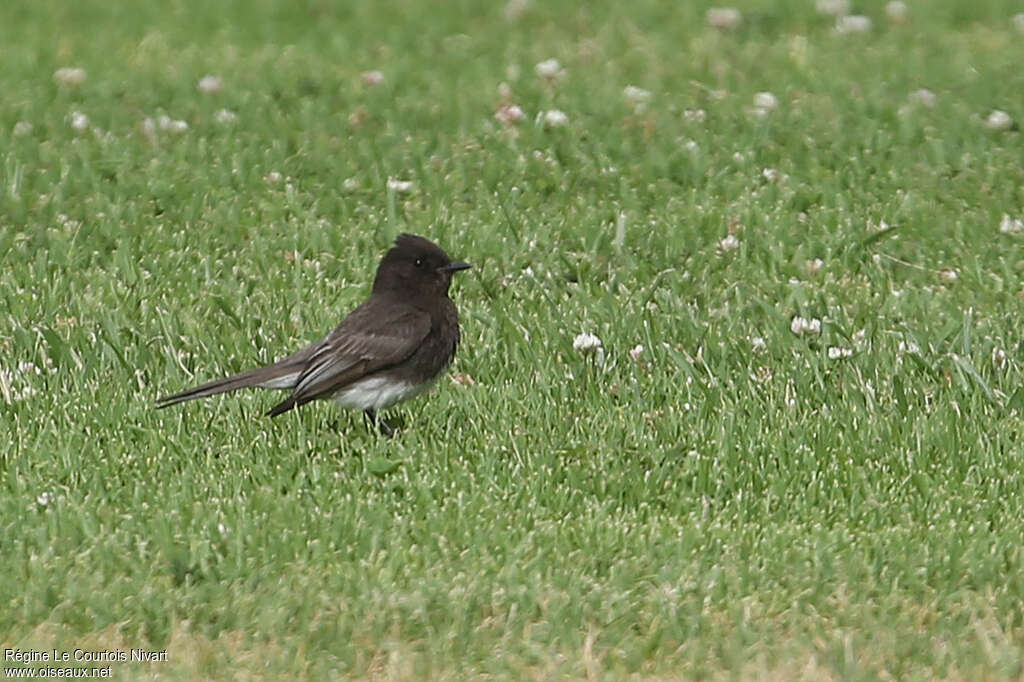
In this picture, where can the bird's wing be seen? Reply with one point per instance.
(372, 337)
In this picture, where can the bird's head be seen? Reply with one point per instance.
(416, 266)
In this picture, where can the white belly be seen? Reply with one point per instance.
(377, 393)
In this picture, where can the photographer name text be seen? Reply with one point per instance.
(30, 656)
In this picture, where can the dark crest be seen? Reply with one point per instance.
(415, 265)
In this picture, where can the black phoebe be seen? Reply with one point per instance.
(389, 349)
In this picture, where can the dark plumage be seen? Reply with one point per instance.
(389, 349)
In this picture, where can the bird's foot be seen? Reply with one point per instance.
(384, 428)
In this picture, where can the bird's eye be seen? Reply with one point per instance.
(419, 262)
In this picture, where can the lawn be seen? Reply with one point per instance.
(798, 239)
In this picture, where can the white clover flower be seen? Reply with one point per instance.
(853, 23)
(998, 120)
(724, 18)
(695, 115)
(372, 78)
(691, 146)
(69, 75)
(906, 347)
(21, 128)
(350, 185)
(79, 121)
(1010, 225)
(838, 352)
(273, 178)
(225, 117)
(636, 95)
(896, 11)
(635, 352)
(758, 344)
(44, 498)
(729, 243)
(765, 103)
(802, 325)
(834, 8)
(948, 275)
(772, 175)
(172, 125)
(766, 100)
(924, 97)
(509, 114)
(400, 186)
(550, 69)
(999, 358)
(555, 118)
(589, 345)
(210, 84)
(815, 265)
(586, 343)
(68, 223)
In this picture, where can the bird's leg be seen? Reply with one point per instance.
(385, 428)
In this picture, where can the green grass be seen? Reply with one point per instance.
(713, 511)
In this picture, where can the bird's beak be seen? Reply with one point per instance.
(454, 267)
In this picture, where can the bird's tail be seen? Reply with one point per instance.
(281, 375)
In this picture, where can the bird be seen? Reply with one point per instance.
(389, 349)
